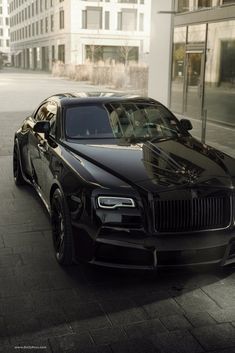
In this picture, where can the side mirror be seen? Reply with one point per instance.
(42, 127)
(186, 124)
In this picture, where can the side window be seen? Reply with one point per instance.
(48, 111)
(41, 113)
(51, 116)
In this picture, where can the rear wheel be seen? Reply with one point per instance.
(18, 176)
(61, 229)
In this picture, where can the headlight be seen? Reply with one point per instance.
(115, 202)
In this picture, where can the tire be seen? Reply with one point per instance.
(17, 173)
(61, 229)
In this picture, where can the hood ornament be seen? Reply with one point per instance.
(190, 175)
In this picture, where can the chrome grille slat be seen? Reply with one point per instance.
(192, 215)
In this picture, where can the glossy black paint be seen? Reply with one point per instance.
(172, 169)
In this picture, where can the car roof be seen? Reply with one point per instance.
(74, 98)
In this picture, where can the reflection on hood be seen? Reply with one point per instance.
(167, 168)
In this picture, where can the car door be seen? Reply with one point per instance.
(49, 151)
(35, 143)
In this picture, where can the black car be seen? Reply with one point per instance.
(125, 183)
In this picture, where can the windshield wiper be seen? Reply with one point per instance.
(133, 139)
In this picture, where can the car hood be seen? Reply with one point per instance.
(163, 164)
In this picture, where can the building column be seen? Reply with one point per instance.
(161, 50)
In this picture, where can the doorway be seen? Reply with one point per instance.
(193, 86)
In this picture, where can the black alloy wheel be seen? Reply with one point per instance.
(61, 229)
(17, 173)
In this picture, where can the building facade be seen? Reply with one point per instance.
(72, 31)
(200, 71)
(4, 33)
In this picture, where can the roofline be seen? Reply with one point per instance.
(97, 97)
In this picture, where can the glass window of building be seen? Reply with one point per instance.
(204, 4)
(128, 1)
(228, 2)
(61, 19)
(188, 70)
(141, 22)
(61, 52)
(107, 15)
(53, 53)
(220, 72)
(119, 54)
(183, 5)
(92, 18)
(41, 26)
(83, 19)
(52, 23)
(177, 85)
(46, 25)
(127, 20)
(119, 21)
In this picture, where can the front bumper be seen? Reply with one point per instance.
(136, 250)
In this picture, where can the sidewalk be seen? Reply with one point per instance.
(218, 136)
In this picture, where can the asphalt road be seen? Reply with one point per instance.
(86, 309)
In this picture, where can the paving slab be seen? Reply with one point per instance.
(72, 343)
(199, 319)
(222, 293)
(196, 300)
(105, 336)
(216, 336)
(145, 328)
(180, 341)
(133, 346)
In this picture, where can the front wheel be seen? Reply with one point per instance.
(61, 229)
(17, 173)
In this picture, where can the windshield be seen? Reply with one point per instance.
(131, 122)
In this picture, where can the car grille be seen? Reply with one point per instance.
(192, 215)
